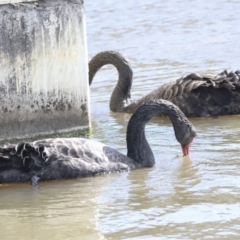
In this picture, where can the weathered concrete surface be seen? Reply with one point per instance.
(43, 68)
(15, 1)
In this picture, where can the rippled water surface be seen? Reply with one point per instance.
(179, 198)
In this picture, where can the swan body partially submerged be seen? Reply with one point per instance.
(196, 95)
(63, 158)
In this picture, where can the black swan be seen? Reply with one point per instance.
(195, 95)
(63, 158)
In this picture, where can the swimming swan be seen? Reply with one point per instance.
(196, 95)
(63, 158)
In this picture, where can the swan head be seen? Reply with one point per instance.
(186, 141)
(185, 132)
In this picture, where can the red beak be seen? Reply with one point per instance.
(185, 150)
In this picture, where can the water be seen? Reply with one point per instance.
(179, 198)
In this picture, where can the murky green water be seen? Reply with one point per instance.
(191, 198)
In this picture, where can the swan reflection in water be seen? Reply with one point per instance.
(63, 158)
(147, 196)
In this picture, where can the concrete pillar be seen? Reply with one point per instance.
(43, 68)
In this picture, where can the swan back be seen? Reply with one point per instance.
(60, 158)
(86, 157)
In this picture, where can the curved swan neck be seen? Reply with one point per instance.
(137, 145)
(122, 93)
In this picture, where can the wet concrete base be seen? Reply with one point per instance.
(35, 117)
